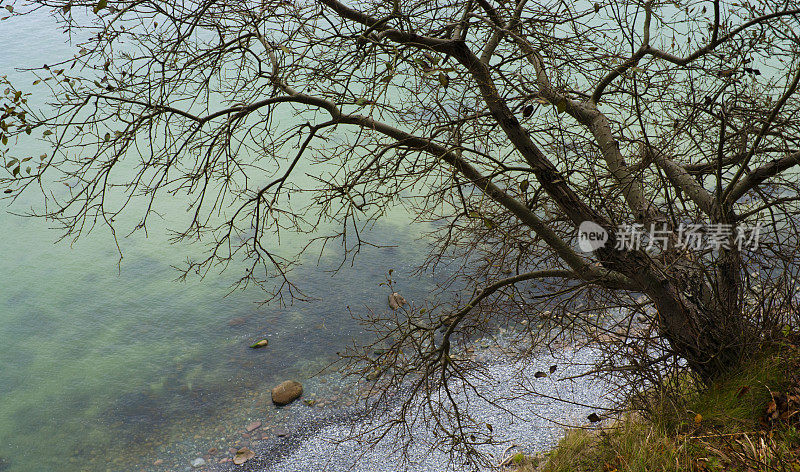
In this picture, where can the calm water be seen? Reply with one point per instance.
(107, 368)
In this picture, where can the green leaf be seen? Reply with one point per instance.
(421, 63)
(488, 223)
(100, 5)
(386, 78)
(444, 79)
(518, 458)
(47, 132)
(12, 162)
(561, 106)
(15, 171)
(28, 170)
(4, 139)
(10, 8)
(524, 185)
(474, 214)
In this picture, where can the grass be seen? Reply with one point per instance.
(715, 429)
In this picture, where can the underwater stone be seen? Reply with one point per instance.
(286, 392)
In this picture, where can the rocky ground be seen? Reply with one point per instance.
(318, 437)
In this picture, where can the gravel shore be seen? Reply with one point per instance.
(318, 442)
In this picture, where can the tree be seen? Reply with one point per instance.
(507, 124)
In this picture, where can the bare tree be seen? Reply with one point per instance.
(505, 123)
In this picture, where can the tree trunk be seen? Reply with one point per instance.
(710, 348)
(705, 323)
(702, 321)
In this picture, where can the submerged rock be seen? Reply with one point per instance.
(396, 301)
(243, 455)
(199, 462)
(287, 392)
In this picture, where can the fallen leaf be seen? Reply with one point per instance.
(262, 343)
(698, 418)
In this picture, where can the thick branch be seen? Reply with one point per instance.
(762, 173)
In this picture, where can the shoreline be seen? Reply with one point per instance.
(318, 438)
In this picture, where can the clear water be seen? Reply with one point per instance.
(107, 367)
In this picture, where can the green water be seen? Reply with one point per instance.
(110, 367)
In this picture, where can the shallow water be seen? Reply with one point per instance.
(111, 367)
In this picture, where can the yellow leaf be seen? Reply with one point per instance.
(698, 418)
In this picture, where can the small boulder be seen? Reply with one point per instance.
(253, 426)
(287, 392)
(396, 301)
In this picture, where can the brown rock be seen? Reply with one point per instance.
(287, 392)
(158, 462)
(396, 301)
(253, 426)
(243, 455)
